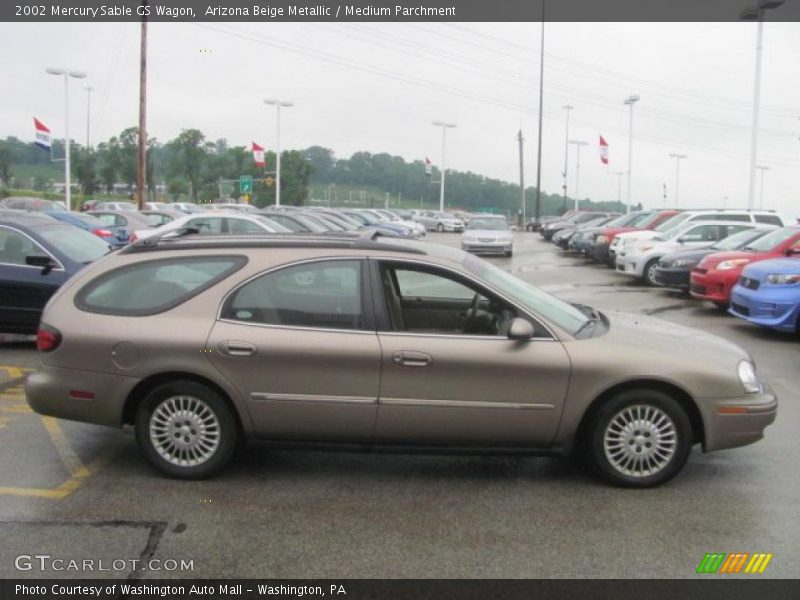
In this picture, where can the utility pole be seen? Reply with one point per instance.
(761, 168)
(677, 158)
(630, 101)
(89, 89)
(521, 181)
(141, 181)
(577, 145)
(568, 108)
(445, 126)
(538, 208)
(619, 175)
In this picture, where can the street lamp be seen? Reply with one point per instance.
(677, 158)
(445, 126)
(630, 101)
(89, 89)
(67, 75)
(761, 168)
(578, 145)
(567, 108)
(277, 104)
(756, 13)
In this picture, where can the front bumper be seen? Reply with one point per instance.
(734, 422)
(673, 277)
(629, 264)
(774, 307)
(452, 228)
(48, 393)
(487, 248)
(713, 285)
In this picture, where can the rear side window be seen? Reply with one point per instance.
(770, 219)
(153, 287)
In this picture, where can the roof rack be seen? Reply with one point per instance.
(367, 240)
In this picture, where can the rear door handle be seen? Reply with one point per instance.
(410, 358)
(236, 348)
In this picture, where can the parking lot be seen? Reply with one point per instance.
(82, 492)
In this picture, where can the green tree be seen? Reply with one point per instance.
(5, 163)
(189, 153)
(84, 168)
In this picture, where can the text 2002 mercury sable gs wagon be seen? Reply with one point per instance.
(201, 342)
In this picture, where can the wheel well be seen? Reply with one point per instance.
(144, 387)
(678, 394)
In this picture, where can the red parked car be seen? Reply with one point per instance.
(646, 219)
(714, 278)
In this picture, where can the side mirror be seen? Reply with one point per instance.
(521, 329)
(45, 262)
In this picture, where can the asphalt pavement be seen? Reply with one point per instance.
(80, 492)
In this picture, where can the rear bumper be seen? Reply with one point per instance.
(714, 285)
(778, 309)
(48, 393)
(734, 422)
(673, 278)
(600, 252)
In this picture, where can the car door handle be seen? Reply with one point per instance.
(235, 348)
(409, 358)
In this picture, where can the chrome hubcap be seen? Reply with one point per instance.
(640, 440)
(184, 431)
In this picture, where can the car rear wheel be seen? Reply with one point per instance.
(440, 228)
(650, 272)
(186, 430)
(640, 438)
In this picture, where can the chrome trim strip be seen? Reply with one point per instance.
(487, 338)
(314, 398)
(297, 327)
(463, 404)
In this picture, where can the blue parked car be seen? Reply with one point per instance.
(114, 235)
(768, 294)
(37, 255)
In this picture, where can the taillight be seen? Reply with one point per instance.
(103, 232)
(47, 338)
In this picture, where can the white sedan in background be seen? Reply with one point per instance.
(488, 234)
(217, 223)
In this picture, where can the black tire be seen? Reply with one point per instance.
(723, 306)
(626, 445)
(440, 228)
(649, 273)
(509, 254)
(223, 435)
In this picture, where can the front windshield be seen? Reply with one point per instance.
(76, 244)
(359, 218)
(566, 316)
(737, 240)
(488, 224)
(672, 222)
(771, 240)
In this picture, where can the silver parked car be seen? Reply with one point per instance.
(202, 341)
(434, 220)
(488, 234)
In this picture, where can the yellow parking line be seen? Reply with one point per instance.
(16, 408)
(71, 460)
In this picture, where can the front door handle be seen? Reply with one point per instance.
(236, 348)
(410, 358)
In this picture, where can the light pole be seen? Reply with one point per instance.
(761, 168)
(619, 175)
(567, 108)
(67, 75)
(756, 13)
(445, 126)
(677, 158)
(577, 144)
(630, 101)
(89, 89)
(278, 104)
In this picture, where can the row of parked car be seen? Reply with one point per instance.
(743, 261)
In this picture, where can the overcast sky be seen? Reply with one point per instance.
(377, 87)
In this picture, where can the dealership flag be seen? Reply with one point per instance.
(258, 155)
(428, 166)
(603, 150)
(42, 134)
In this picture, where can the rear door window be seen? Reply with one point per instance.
(770, 219)
(153, 287)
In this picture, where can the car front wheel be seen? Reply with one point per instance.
(186, 430)
(440, 228)
(640, 438)
(650, 272)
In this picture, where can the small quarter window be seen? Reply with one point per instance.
(153, 287)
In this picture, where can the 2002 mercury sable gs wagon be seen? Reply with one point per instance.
(201, 342)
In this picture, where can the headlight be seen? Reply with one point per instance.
(684, 263)
(727, 265)
(602, 239)
(776, 279)
(748, 377)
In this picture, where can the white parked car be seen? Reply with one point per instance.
(488, 234)
(217, 223)
(433, 220)
(640, 259)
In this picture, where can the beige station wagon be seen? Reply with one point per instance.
(202, 342)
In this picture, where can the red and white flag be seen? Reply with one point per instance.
(42, 134)
(258, 155)
(428, 166)
(603, 150)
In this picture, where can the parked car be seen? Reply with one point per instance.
(115, 206)
(602, 251)
(37, 255)
(584, 239)
(563, 238)
(113, 235)
(216, 223)
(32, 204)
(488, 234)
(550, 229)
(768, 294)
(369, 221)
(714, 278)
(535, 225)
(297, 222)
(641, 260)
(238, 206)
(131, 220)
(434, 220)
(185, 207)
(393, 217)
(200, 342)
(156, 206)
(157, 218)
(673, 270)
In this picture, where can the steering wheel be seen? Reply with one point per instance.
(473, 308)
